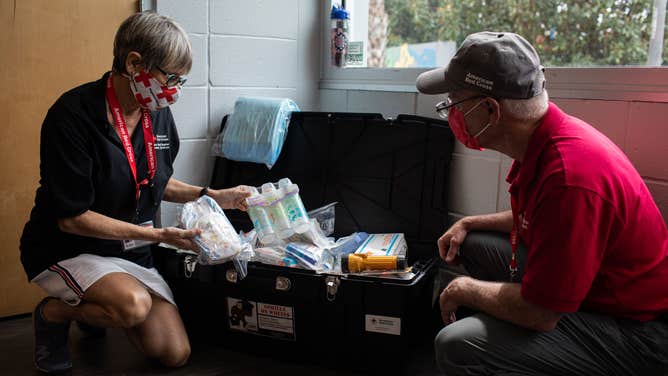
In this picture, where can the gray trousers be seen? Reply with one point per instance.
(581, 344)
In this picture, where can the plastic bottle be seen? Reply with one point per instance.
(279, 220)
(339, 35)
(294, 207)
(260, 218)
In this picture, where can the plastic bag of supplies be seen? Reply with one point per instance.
(218, 241)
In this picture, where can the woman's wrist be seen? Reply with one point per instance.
(155, 234)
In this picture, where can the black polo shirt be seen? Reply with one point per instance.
(83, 167)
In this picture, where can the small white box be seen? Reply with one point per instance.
(384, 245)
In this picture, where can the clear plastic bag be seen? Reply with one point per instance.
(218, 242)
(274, 256)
(310, 256)
(326, 217)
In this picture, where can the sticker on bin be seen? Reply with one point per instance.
(384, 245)
(383, 324)
(261, 318)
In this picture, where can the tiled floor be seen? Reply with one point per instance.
(114, 355)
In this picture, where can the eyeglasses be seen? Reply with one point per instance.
(172, 78)
(443, 107)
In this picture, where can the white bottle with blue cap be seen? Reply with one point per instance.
(258, 213)
(293, 205)
(279, 219)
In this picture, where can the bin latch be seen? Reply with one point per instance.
(332, 285)
(189, 265)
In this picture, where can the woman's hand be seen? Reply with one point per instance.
(231, 198)
(180, 238)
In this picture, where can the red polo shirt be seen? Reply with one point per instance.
(596, 240)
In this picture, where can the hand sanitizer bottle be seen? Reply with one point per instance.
(294, 207)
(257, 212)
(279, 220)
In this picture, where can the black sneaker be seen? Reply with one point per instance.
(91, 330)
(51, 352)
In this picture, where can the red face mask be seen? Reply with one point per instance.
(150, 93)
(457, 122)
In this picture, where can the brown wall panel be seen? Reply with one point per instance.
(46, 48)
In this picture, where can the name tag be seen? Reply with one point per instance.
(131, 244)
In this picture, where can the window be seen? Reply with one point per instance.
(566, 33)
(612, 71)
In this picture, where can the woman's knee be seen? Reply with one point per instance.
(132, 308)
(176, 356)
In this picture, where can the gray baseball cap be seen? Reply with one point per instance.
(498, 64)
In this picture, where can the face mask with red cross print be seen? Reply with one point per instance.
(150, 93)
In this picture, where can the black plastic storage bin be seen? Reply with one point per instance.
(387, 176)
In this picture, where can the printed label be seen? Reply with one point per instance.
(355, 55)
(261, 318)
(130, 244)
(162, 142)
(383, 324)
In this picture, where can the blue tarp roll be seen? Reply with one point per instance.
(257, 128)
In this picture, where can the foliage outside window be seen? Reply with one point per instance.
(566, 33)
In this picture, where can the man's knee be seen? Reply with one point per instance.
(456, 346)
(477, 241)
(131, 308)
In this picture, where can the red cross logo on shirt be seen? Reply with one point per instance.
(143, 78)
(142, 101)
(167, 93)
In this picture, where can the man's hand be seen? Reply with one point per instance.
(449, 300)
(448, 244)
(231, 198)
(182, 239)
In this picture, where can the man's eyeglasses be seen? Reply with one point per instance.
(172, 79)
(443, 107)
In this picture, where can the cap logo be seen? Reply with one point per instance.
(480, 82)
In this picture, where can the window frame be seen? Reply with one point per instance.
(624, 83)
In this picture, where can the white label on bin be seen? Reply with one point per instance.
(261, 318)
(383, 324)
(274, 318)
(275, 310)
(274, 323)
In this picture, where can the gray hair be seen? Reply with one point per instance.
(527, 110)
(159, 39)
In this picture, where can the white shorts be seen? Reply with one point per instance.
(69, 279)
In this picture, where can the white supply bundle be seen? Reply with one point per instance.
(218, 242)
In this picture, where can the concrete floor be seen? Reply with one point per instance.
(113, 354)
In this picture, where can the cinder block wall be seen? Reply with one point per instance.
(273, 48)
(249, 47)
(478, 178)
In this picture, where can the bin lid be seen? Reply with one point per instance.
(387, 175)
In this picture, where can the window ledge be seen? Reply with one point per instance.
(368, 85)
(644, 84)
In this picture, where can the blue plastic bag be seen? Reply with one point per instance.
(256, 130)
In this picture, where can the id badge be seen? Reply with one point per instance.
(131, 244)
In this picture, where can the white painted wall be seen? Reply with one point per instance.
(249, 47)
(273, 48)
(478, 178)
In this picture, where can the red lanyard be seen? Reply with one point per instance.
(514, 238)
(149, 138)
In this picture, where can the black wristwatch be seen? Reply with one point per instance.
(204, 191)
